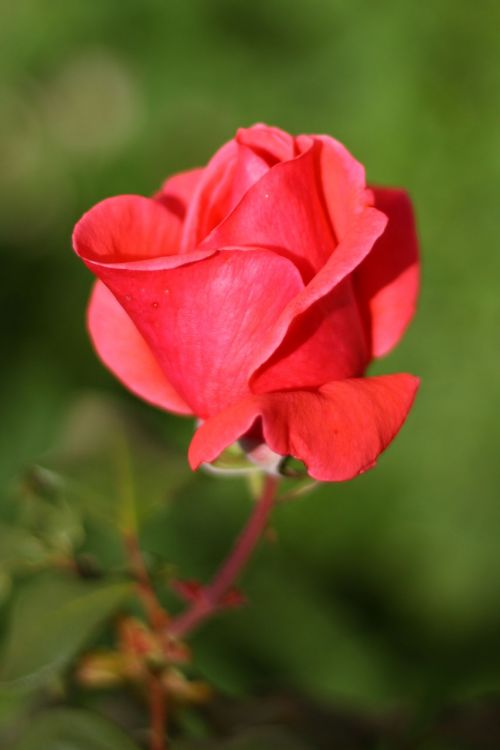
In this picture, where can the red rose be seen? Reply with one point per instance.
(253, 293)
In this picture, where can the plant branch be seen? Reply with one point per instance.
(158, 713)
(155, 613)
(209, 599)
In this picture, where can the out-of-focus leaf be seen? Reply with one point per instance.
(13, 710)
(312, 645)
(51, 620)
(66, 729)
(30, 416)
(62, 527)
(44, 512)
(98, 437)
(258, 738)
(5, 585)
(19, 547)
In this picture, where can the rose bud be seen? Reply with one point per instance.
(253, 294)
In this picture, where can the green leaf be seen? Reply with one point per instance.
(5, 585)
(14, 708)
(105, 456)
(51, 620)
(19, 547)
(67, 729)
(62, 527)
(257, 738)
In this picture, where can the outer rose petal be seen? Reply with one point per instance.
(343, 183)
(338, 430)
(124, 351)
(204, 321)
(127, 228)
(132, 233)
(388, 279)
(177, 191)
(284, 210)
(326, 342)
(301, 326)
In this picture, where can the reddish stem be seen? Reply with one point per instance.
(209, 599)
(157, 618)
(158, 714)
(155, 613)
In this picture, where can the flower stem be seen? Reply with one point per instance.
(156, 615)
(158, 715)
(158, 619)
(210, 598)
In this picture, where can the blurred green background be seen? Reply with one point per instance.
(382, 594)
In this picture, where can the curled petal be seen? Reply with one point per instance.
(176, 192)
(131, 233)
(338, 430)
(227, 177)
(127, 228)
(318, 315)
(204, 321)
(231, 172)
(285, 211)
(343, 183)
(273, 144)
(325, 342)
(387, 281)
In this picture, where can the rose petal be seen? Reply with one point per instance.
(343, 183)
(127, 228)
(177, 191)
(299, 324)
(249, 167)
(230, 173)
(204, 321)
(139, 285)
(273, 144)
(285, 211)
(326, 342)
(124, 351)
(388, 279)
(225, 180)
(132, 233)
(338, 430)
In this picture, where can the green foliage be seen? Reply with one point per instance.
(272, 738)
(66, 729)
(19, 547)
(110, 467)
(52, 618)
